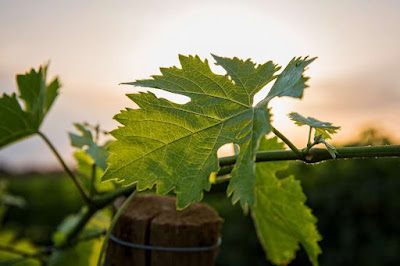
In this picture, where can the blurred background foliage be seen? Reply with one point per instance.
(357, 203)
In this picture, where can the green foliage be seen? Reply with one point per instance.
(49, 198)
(91, 157)
(82, 254)
(332, 150)
(23, 246)
(281, 219)
(86, 142)
(16, 122)
(85, 252)
(66, 226)
(85, 169)
(7, 200)
(325, 129)
(175, 145)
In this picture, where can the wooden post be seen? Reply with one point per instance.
(154, 221)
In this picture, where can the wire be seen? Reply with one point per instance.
(158, 248)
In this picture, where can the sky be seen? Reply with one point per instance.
(95, 45)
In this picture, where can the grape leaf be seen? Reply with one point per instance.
(281, 218)
(291, 82)
(86, 141)
(17, 123)
(175, 145)
(325, 129)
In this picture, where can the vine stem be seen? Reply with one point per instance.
(317, 155)
(288, 142)
(66, 169)
(99, 202)
(112, 225)
(83, 220)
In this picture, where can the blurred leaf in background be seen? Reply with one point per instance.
(89, 143)
(9, 239)
(86, 252)
(49, 198)
(91, 157)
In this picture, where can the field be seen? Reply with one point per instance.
(356, 202)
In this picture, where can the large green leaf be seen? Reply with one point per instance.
(175, 145)
(281, 218)
(16, 122)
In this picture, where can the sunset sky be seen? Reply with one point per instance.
(95, 45)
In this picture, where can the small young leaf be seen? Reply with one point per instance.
(332, 150)
(85, 141)
(321, 128)
(281, 218)
(17, 123)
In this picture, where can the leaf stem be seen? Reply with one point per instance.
(103, 200)
(92, 189)
(98, 203)
(84, 219)
(66, 169)
(309, 137)
(288, 142)
(88, 237)
(112, 225)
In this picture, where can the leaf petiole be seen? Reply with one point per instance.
(93, 189)
(86, 199)
(309, 137)
(289, 143)
(112, 225)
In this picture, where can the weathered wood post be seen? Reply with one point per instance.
(154, 222)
